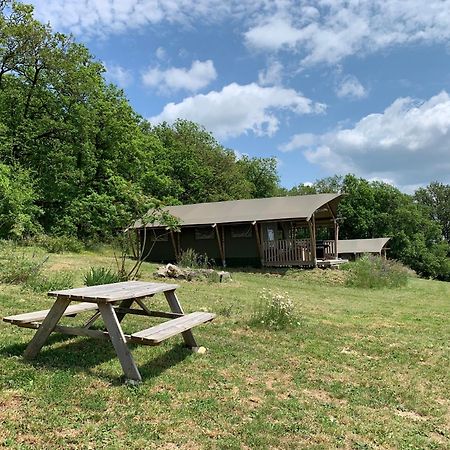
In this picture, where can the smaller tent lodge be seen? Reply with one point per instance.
(353, 248)
(267, 232)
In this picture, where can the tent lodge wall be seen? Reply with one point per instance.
(239, 242)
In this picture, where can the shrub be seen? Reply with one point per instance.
(53, 282)
(58, 244)
(190, 258)
(15, 267)
(101, 275)
(373, 272)
(274, 310)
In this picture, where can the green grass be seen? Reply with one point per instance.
(363, 369)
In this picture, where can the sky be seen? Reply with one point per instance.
(324, 86)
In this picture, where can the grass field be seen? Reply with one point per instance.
(362, 369)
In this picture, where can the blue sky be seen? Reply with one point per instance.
(325, 86)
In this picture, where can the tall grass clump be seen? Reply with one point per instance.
(274, 311)
(16, 266)
(58, 244)
(53, 282)
(374, 272)
(190, 258)
(101, 275)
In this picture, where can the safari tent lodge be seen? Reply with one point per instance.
(354, 248)
(298, 231)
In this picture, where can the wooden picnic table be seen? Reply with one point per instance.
(112, 302)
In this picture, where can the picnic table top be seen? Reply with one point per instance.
(108, 293)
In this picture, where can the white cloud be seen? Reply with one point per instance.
(328, 31)
(161, 53)
(320, 31)
(97, 17)
(409, 143)
(118, 75)
(239, 109)
(197, 77)
(350, 87)
(273, 74)
(273, 34)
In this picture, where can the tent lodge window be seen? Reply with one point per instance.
(204, 233)
(241, 231)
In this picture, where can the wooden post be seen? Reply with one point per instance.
(312, 233)
(220, 244)
(258, 242)
(175, 250)
(336, 238)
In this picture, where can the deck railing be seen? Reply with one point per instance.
(329, 249)
(287, 252)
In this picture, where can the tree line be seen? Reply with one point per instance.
(77, 160)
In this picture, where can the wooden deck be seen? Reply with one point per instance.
(299, 253)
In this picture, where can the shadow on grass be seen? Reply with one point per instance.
(83, 354)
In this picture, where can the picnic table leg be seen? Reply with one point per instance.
(119, 342)
(46, 327)
(124, 304)
(175, 307)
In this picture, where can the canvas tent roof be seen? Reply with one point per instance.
(262, 209)
(362, 245)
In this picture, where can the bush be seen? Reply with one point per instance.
(15, 267)
(274, 311)
(373, 272)
(101, 275)
(190, 258)
(54, 282)
(58, 244)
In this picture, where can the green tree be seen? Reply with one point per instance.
(262, 174)
(436, 198)
(199, 168)
(18, 212)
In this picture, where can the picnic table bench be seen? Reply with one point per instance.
(112, 302)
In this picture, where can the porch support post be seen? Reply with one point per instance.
(174, 244)
(258, 242)
(336, 238)
(312, 234)
(220, 242)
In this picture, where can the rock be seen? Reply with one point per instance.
(224, 276)
(173, 271)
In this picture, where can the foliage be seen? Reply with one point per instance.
(274, 310)
(18, 212)
(101, 275)
(50, 282)
(16, 266)
(262, 174)
(436, 198)
(198, 167)
(58, 244)
(190, 258)
(374, 272)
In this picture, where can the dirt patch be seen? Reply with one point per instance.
(411, 415)
(10, 405)
(323, 397)
(348, 351)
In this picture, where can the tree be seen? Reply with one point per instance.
(436, 198)
(18, 213)
(199, 168)
(262, 174)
